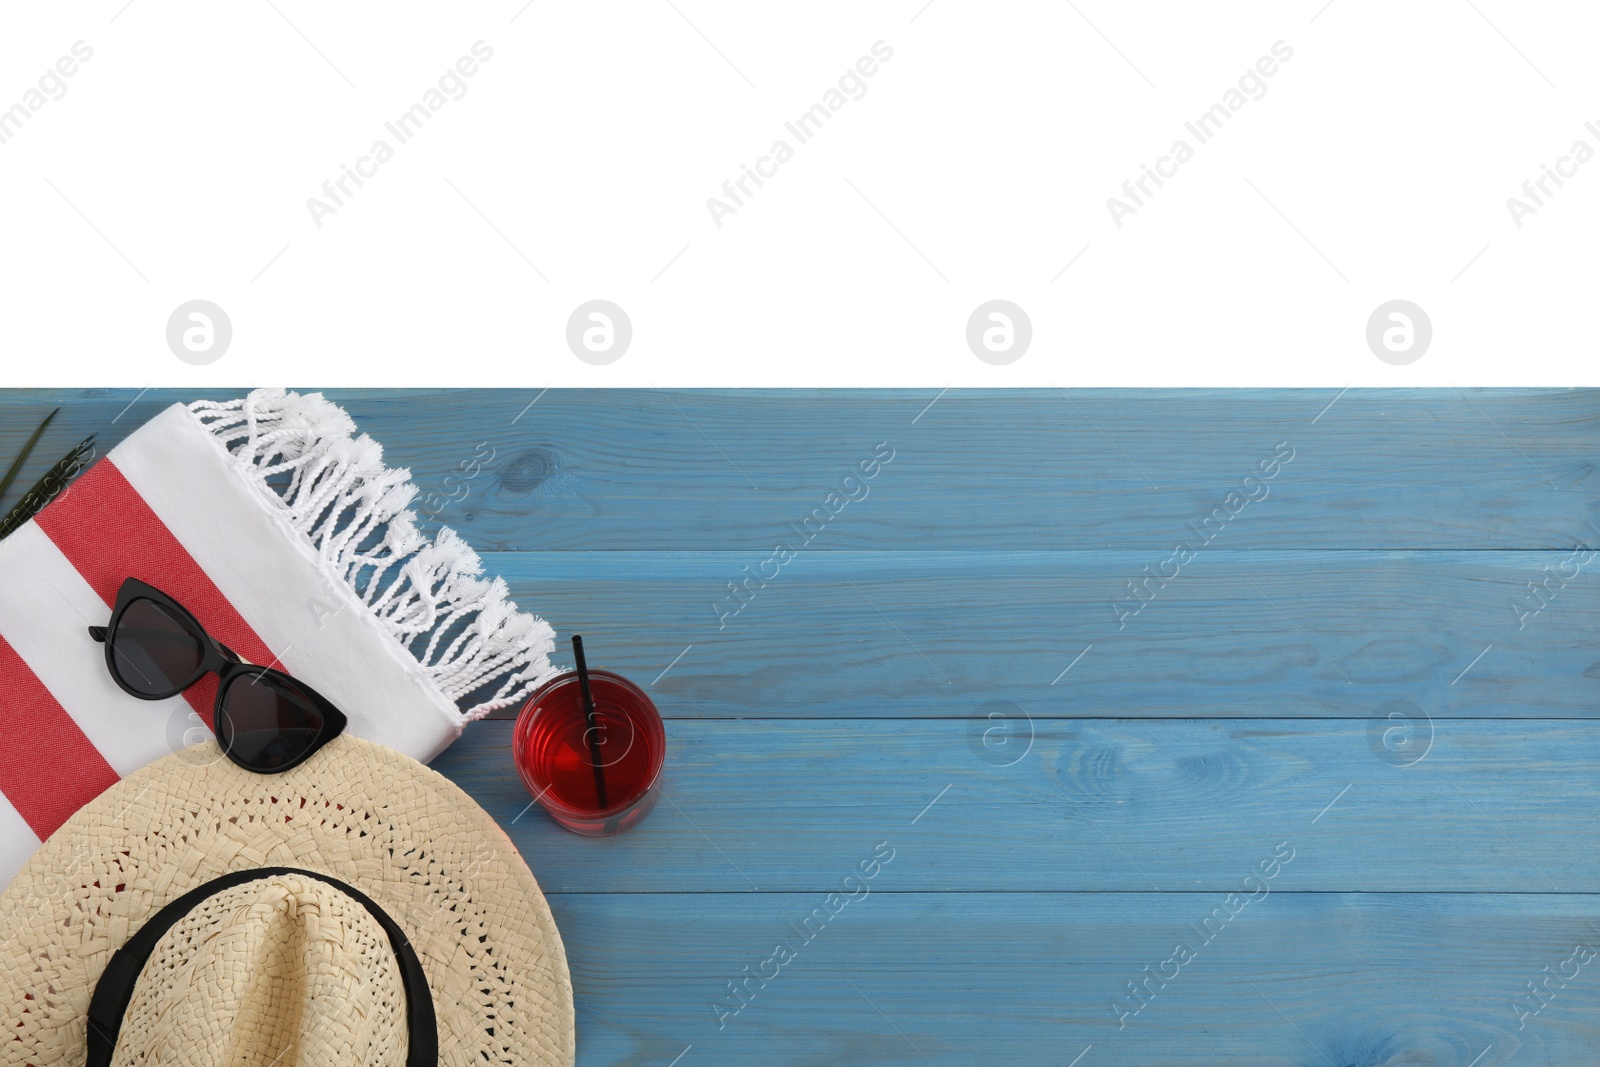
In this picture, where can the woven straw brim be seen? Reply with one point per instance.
(356, 811)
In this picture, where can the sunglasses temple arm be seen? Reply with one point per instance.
(98, 633)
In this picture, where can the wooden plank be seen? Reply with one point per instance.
(1129, 805)
(918, 980)
(1243, 706)
(916, 633)
(1035, 469)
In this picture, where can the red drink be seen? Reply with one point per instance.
(551, 745)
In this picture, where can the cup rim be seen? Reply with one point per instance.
(542, 794)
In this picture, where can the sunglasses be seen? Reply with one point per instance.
(265, 720)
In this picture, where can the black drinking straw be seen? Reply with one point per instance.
(588, 718)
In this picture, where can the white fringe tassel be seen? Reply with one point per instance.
(334, 489)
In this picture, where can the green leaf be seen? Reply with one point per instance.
(22, 457)
(46, 489)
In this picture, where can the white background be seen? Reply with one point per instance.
(977, 165)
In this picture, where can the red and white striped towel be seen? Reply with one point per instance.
(290, 541)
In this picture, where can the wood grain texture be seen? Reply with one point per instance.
(911, 979)
(703, 469)
(915, 633)
(1087, 806)
(1384, 570)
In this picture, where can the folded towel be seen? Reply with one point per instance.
(291, 542)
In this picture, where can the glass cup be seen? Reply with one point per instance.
(550, 744)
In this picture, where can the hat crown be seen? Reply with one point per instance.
(284, 970)
(466, 922)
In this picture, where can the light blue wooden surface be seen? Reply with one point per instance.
(1143, 765)
(1094, 805)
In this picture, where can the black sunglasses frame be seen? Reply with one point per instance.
(216, 658)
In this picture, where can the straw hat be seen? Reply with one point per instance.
(309, 895)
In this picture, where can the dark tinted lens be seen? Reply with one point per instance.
(266, 721)
(153, 651)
